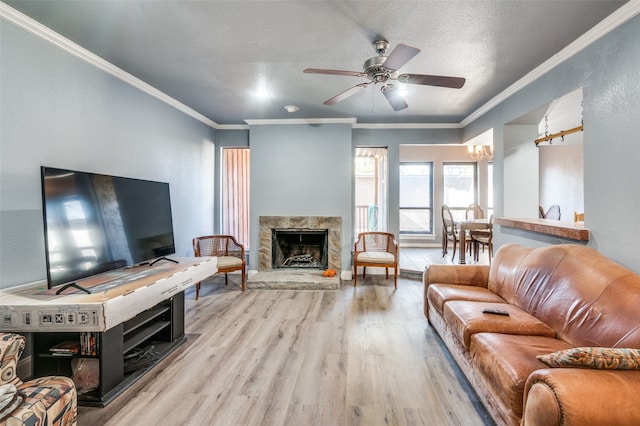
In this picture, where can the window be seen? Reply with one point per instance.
(460, 188)
(489, 189)
(235, 193)
(370, 190)
(416, 198)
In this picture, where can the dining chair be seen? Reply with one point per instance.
(484, 238)
(474, 211)
(376, 249)
(553, 212)
(227, 249)
(450, 232)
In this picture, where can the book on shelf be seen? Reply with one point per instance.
(89, 343)
(68, 347)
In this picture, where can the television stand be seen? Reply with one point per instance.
(108, 328)
(160, 328)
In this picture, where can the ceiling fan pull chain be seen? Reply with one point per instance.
(373, 99)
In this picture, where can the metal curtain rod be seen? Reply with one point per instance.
(559, 134)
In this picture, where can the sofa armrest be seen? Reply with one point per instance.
(473, 275)
(477, 275)
(11, 347)
(576, 396)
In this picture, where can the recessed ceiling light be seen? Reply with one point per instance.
(291, 108)
(262, 93)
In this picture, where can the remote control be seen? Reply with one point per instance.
(496, 312)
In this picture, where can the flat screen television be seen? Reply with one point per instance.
(95, 223)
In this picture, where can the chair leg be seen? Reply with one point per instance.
(395, 277)
(355, 274)
(364, 271)
(445, 244)
(197, 291)
(453, 258)
(244, 274)
(386, 270)
(225, 279)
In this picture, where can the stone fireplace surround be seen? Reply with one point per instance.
(299, 279)
(333, 224)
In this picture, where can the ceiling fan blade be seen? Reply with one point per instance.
(394, 98)
(432, 80)
(400, 56)
(334, 72)
(344, 95)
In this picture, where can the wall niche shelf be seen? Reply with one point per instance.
(556, 228)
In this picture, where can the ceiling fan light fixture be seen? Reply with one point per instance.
(291, 108)
(382, 69)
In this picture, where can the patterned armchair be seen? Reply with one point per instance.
(45, 401)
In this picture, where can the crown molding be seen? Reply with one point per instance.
(23, 21)
(259, 122)
(232, 127)
(611, 22)
(407, 126)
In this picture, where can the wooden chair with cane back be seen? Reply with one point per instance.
(227, 249)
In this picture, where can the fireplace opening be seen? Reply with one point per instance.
(299, 248)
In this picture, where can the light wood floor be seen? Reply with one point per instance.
(363, 356)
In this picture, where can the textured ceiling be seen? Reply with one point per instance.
(213, 55)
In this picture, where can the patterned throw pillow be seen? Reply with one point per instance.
(599, 358)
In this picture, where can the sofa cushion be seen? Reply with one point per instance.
(229, 262)
(439, 294)
(375, 257)
(598, 358)
(505, 361)
(466, 318)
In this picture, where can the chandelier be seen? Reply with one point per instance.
(481, 152)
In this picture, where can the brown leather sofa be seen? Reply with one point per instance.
(558, 297)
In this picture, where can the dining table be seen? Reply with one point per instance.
(467, 225)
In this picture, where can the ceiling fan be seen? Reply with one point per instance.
(384, 70)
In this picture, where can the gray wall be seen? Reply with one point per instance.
(562, 178)
(57, 110)
(608, 71)
(301, 170)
